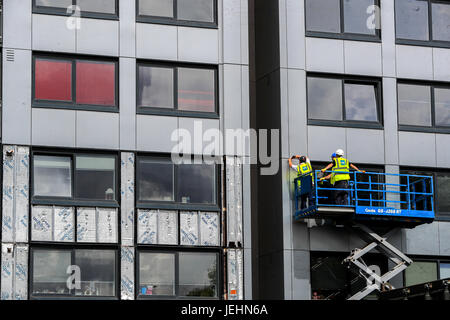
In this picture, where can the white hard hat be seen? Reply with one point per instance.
(340, 152)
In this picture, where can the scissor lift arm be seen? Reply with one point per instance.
(379, 243)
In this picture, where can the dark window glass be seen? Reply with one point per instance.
(158, 8)
(95, 178)
(360, 102)
(156, 180)
(53, 80)
(324, 99)
(52, 176)
(49, 271)
(356, 17)
(54, 3)
(196, 10)
(442, 192)
(98, 272)
(196, 183)
(155, 88)
(101, 6)
(444, 270)
(442, 107)
(96, 83)
(323, 16)
(328, 275)
(414, 105)
(419, 272)
(440, 19)
(156, 274)
(417, 184)
(196, 90)
(198, 274)
(411, 18)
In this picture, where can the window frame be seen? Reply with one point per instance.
(73, 201)
(444, 216)
(73, 105)
(427, 43)
(175, 21)
(70, 247)
(175, 205)
(175, 111)
(417, 128)
(176, 251)
(438, 261)
(377, 82)
(83, 14)
(342, 34)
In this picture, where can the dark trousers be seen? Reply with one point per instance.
(304, 200)
(341, 196)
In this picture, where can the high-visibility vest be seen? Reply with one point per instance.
(303, 169)
(340, 170)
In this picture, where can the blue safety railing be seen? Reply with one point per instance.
(369, 194)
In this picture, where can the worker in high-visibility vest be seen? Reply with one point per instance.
(303, 168)
(340, 176)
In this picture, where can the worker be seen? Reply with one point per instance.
(340, 176)
(303, 168)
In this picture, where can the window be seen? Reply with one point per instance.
(70, 177)
(423, 107)
(180, 90)
(348, 19)
(97, 271)
(344, 101)
(426, 270)
(106, 9)
(423, 21)
(200, 13)
(161, 181)
(178, 274)
(331, 279)
(75, 83)
(441, 187)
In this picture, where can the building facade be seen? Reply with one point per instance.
(369, 77)
(96, 96)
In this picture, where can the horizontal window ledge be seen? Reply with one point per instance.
(77, 107)
(181, 207)
(358, 125)
(424, 129)
(176, 298)
(174, 22)
(145, 247)
(74, 245)
(63, 12)
(75, 203)
(66, 297)
(421, 43)
(339, 36)
(176, 113)
(443, 218)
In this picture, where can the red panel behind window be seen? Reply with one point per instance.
(96, 83)
(53, 80)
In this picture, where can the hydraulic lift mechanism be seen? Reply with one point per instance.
(373, 204)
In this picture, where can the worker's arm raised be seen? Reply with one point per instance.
(293, 166)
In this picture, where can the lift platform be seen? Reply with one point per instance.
(380, 201)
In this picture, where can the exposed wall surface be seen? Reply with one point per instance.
(126, 132)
